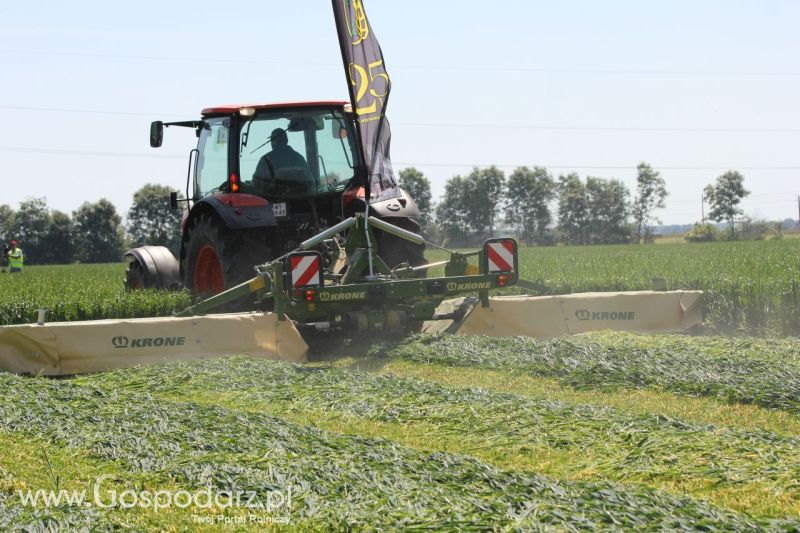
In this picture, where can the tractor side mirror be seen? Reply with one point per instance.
(156, 133)
(173, 200)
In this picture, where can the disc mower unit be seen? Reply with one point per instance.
(65, 348)
(355, 288)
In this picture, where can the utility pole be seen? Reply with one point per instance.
(703, 207)
(798, 211)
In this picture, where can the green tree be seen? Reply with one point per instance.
(573, 209)
(451, 213)
(7, 217)
(30, 228)
(651, 191)
(98, 232)
(59, 246)
(468, 211)
(419, 187)
(528, 195)
(151, 220)
(484, 204)
(724, 197)
(704, 232)
(607, 201)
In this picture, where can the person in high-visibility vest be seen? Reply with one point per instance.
(15, 258)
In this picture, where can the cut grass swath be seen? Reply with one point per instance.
(751, 470)
(700, 366)
(341, 481)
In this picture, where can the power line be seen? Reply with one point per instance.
(445, 125)
(86, 111)
(600, 128)
(601, 167)
(167, 58)
(56, 151)
(94, 153)
(467, 68)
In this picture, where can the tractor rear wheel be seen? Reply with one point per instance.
(151, 267)
(218, 258)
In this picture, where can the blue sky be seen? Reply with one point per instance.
(692, 87)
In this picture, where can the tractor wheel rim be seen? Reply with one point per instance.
(208, 278)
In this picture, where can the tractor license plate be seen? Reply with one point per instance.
(279, 209)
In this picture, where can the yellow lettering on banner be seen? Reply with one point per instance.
(361, 88)
(373, 77)
(362, 27)
(366, 81)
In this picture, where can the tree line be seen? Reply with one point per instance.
(93, 233)
(542, 209)
(530, 203)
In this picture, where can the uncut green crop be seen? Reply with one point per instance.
(79, 292)
(342, 482)
(750, 286)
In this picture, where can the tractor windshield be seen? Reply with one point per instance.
(296, 153)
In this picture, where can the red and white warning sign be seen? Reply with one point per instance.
(305, 269)
(500, 255)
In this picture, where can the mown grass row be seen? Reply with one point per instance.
(79, 292)
(752, 470)
(640, 401)
(341, 481)
(696, 366)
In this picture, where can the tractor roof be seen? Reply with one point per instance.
(229, 109)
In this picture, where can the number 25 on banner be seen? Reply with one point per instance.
(364, 80)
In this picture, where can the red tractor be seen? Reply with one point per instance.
(262, 179)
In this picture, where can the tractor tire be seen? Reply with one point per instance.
(151, 267)
(218, 258)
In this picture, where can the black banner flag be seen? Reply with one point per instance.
(369, 85)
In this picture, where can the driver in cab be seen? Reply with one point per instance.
(282, 157)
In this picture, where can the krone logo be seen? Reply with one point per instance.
(585, 314)
(342, 296)
(120, 341)
(453, 286)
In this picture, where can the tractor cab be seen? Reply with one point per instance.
(276, 152)
(262, 179)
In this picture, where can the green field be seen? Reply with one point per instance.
(607, 431)
(79, 292)
(751, 287)
(438, 433)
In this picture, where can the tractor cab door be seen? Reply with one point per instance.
(213, 147)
